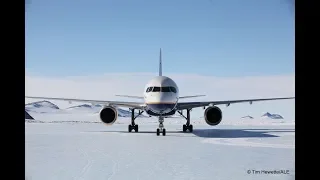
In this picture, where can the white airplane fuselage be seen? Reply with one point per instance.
(161, 95)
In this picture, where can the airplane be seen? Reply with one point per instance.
(161, 99)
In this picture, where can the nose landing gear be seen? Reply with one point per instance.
(161, 127)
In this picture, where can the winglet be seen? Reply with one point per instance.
(160, 64)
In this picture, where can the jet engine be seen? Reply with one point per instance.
(213, 115)
(108, 115)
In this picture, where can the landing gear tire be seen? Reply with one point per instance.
(163, 132)
(184, 128)
(131, 127)
(187, 127)
(190, 128)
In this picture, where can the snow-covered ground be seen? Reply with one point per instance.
(78, 146)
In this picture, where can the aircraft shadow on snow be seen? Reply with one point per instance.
(238, 133)
(216, 133)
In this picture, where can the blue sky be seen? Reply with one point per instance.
(218, 38)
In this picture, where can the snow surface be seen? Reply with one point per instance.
(78, 146)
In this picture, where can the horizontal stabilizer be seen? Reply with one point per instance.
(135, 97)
(185, 97)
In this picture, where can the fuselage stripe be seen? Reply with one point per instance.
(160, 103)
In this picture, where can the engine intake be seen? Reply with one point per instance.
(213, 115)
(108, 115)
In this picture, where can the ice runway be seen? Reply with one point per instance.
(95, 151)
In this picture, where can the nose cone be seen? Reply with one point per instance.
(161, 107)
(162, 102)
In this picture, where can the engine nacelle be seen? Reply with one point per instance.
(108, 115)
(213, 115)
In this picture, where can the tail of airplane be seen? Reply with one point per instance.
(160, 74)
(160, 64)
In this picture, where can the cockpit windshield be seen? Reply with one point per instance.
(165, 89)
(149, 89)
(156, 89)
(172, 89)
(162, 89)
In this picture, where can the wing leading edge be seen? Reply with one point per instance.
(136, 105)
(189, 105)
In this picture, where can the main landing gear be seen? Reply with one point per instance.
(186, 126)
(161, 127)
(133, 125)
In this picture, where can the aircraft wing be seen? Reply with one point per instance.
(190, 105)
(136, 105)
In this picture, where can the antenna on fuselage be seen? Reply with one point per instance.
(160, 64)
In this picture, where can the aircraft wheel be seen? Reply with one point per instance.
(190, 128)
(129, 128)
(184, 128)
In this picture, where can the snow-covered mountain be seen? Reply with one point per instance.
(247, 117)
(84, 108)
(49, 107)
(87, 108)
(42, 107)
(271, 116)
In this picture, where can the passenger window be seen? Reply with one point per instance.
(173, 89)
(156, 89)
(165, 89)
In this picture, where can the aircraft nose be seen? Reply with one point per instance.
(162, 107)
(164, 102)
(163, 97)
(166, 98)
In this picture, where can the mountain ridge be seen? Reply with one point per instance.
(49, 107)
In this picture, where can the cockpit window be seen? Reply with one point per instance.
(173, 89)
(165, 89)
(149, 89)
(161, 89)
(156, 89)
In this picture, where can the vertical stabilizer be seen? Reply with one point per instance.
(160, 64)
